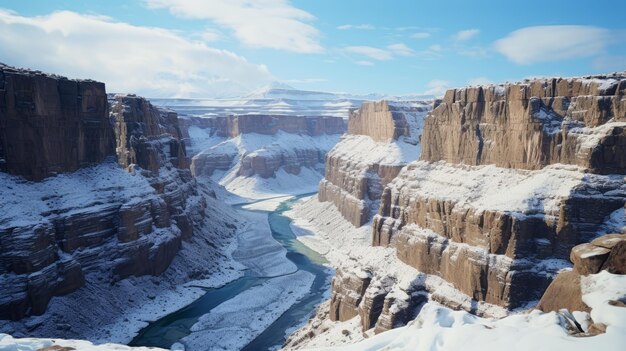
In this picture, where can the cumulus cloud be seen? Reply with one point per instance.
(466, 34)
(274, 24)
(553, 43)
(356, 26)
(401, 49)
(371, 52)
(149, 61)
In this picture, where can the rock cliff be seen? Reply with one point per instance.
(100, 219)
(512, 182)
(492, 230)
(51, 124)
(529, 125)
(264, 148)
(382, 138)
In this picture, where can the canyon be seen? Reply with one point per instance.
(493, 206)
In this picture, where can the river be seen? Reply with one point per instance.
(173, 327)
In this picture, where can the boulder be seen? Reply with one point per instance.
(588, 258)
(563, 292)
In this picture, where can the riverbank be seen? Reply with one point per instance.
(283, 283)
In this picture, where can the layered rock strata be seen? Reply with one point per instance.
(382, 138)
(98, 220)
(607, 253)
(488, 208)
(235, 125)
(264, 145)
(51, 124)
(530, 125)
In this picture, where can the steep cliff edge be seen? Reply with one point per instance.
(51, 124)
(93, 231)
(509, 180)
(530, 125)
(256, 155)
(382, 137)
(487, 229)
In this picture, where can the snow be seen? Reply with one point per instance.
(236, 322)
(25, 203)
(364, 150)
(590, 137)
(320, 226)
(438, 328)
(118, 311)
(527, 192)
(598, 290)
(8, 343)
(277, 145)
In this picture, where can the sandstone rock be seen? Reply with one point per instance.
(588, 258)
(616, 262)
(609, 240)
(531, 125)
(50, 124)
(563, 292)
(112, 224)
(347, 292)
(377, 146)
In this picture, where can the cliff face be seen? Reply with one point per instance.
(493, 231)
(50, 124)
(382, 137)
(528, 126)
(270, 148)
(101, 219)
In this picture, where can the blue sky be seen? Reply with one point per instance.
(217, 48)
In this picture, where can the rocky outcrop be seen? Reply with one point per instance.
(51, 124)
(100, 220)
(235, 125)
(529, 125)
(347, 292)
(604, 253)
(382, 138)
(265, 144)
(486, 209)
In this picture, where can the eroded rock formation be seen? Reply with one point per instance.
(530, 125)
(51, 124)
(382, 138)
(492, 231)
(101, 219)
(264, 144)
(608, 253)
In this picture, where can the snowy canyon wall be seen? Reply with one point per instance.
(382, 138)
(510, 179)
(68, 208)
(262, 151)
(51, 124)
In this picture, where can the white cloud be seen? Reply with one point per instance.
(149, 61)
(553, 43)
(466, 34)
(420, 35)
(437, 87)
(356, 26)
(272, 24)
(480, 81)
(401, 50)
(435, 48)
(365, 63)
(371, 52)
